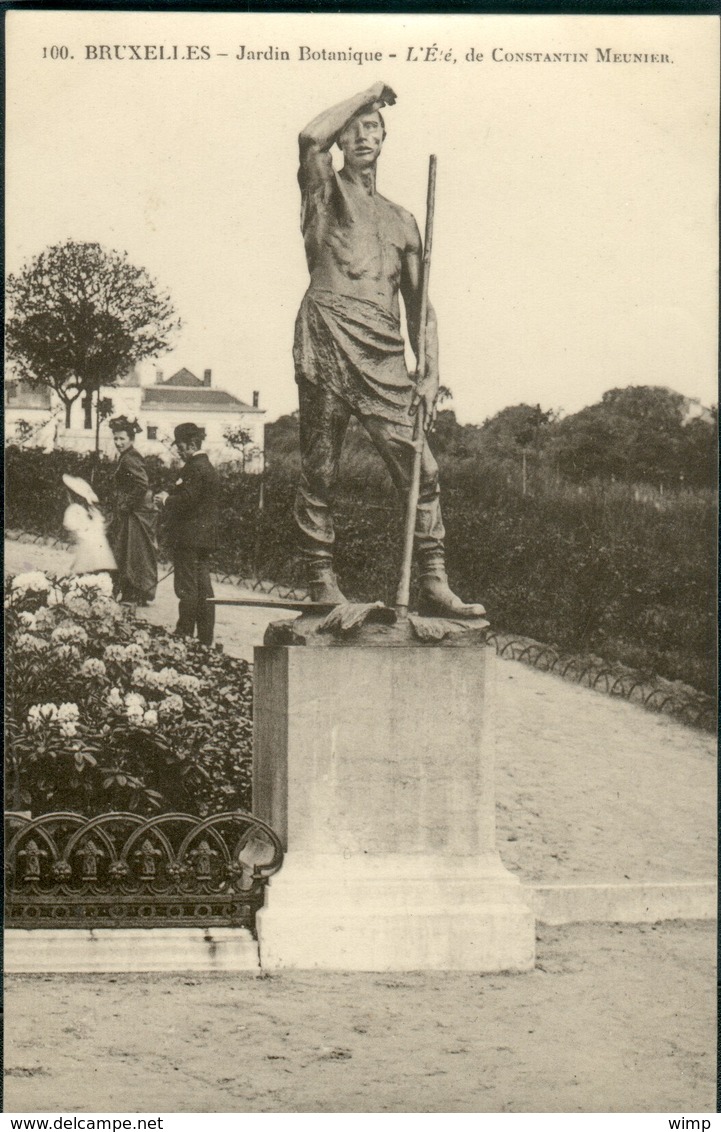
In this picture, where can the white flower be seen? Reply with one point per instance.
(28, 642)
(142, 638)
(93, 668)
(41, 714)
(70, 634)
(77, 605)
(34, 581)
(171, 705)
(68, 711)
(27, 620)
(105, 607)
(175, 648)
(134, 652)
(44, 619)
(188, 683)
(69, 729)
(99, 583)
(115, 700)
(67, 652)
(150, 718)
(162, 681)
(134, 708)
(114, 653)
(140, 675)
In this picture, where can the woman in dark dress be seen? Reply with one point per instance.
(132, 530)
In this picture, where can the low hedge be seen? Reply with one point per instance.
(586, 569)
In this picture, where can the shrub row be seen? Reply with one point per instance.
(589, 570)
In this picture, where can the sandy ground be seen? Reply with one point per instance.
(615, 1018)
(588, 788)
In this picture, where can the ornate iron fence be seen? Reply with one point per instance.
(64, 870)
(652, 692)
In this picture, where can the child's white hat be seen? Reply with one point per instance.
(80, 487)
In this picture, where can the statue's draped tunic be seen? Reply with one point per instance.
(346, 343)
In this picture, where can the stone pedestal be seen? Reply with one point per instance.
(375, 767)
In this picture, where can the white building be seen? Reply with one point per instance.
(37, 417)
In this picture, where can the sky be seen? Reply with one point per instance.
(575, 229)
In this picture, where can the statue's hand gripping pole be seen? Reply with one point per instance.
(419, 431)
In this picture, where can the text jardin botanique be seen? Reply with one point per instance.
(150, 52)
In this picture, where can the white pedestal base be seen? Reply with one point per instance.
(395, 913)
(375, 767)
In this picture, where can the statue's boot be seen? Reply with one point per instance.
(436, 598)
(323, 584)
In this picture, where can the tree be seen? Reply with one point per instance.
(700, 450)
(80, 316)
(241, 439)
(635, 434)
(444, 394)
(523, 428)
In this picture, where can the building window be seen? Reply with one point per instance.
(152, 432)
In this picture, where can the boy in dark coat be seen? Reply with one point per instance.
(191, 513)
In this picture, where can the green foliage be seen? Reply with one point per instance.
(639, 434)
(138, 721)
(241, 439)
(599, 567)
(79, 316)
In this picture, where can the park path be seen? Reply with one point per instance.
(615, 1018)
(589, 788)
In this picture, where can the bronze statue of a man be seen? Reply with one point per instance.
(362, 250)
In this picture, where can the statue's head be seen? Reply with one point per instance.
(361, 140)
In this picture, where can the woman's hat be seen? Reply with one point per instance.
(124, 424)
(80, 487)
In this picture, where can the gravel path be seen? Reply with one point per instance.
(615, 1018)
(589, 788)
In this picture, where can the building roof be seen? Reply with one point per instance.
(185, 379)
(201, 399)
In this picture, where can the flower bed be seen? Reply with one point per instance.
(103, 714)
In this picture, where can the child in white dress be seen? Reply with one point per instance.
(86, 524)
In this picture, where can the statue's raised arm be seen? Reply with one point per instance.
(327, 126)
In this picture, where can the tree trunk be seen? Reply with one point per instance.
(88, 410)
(97, 426)
(68, 410)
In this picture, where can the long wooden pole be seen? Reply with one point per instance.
(404, 586)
